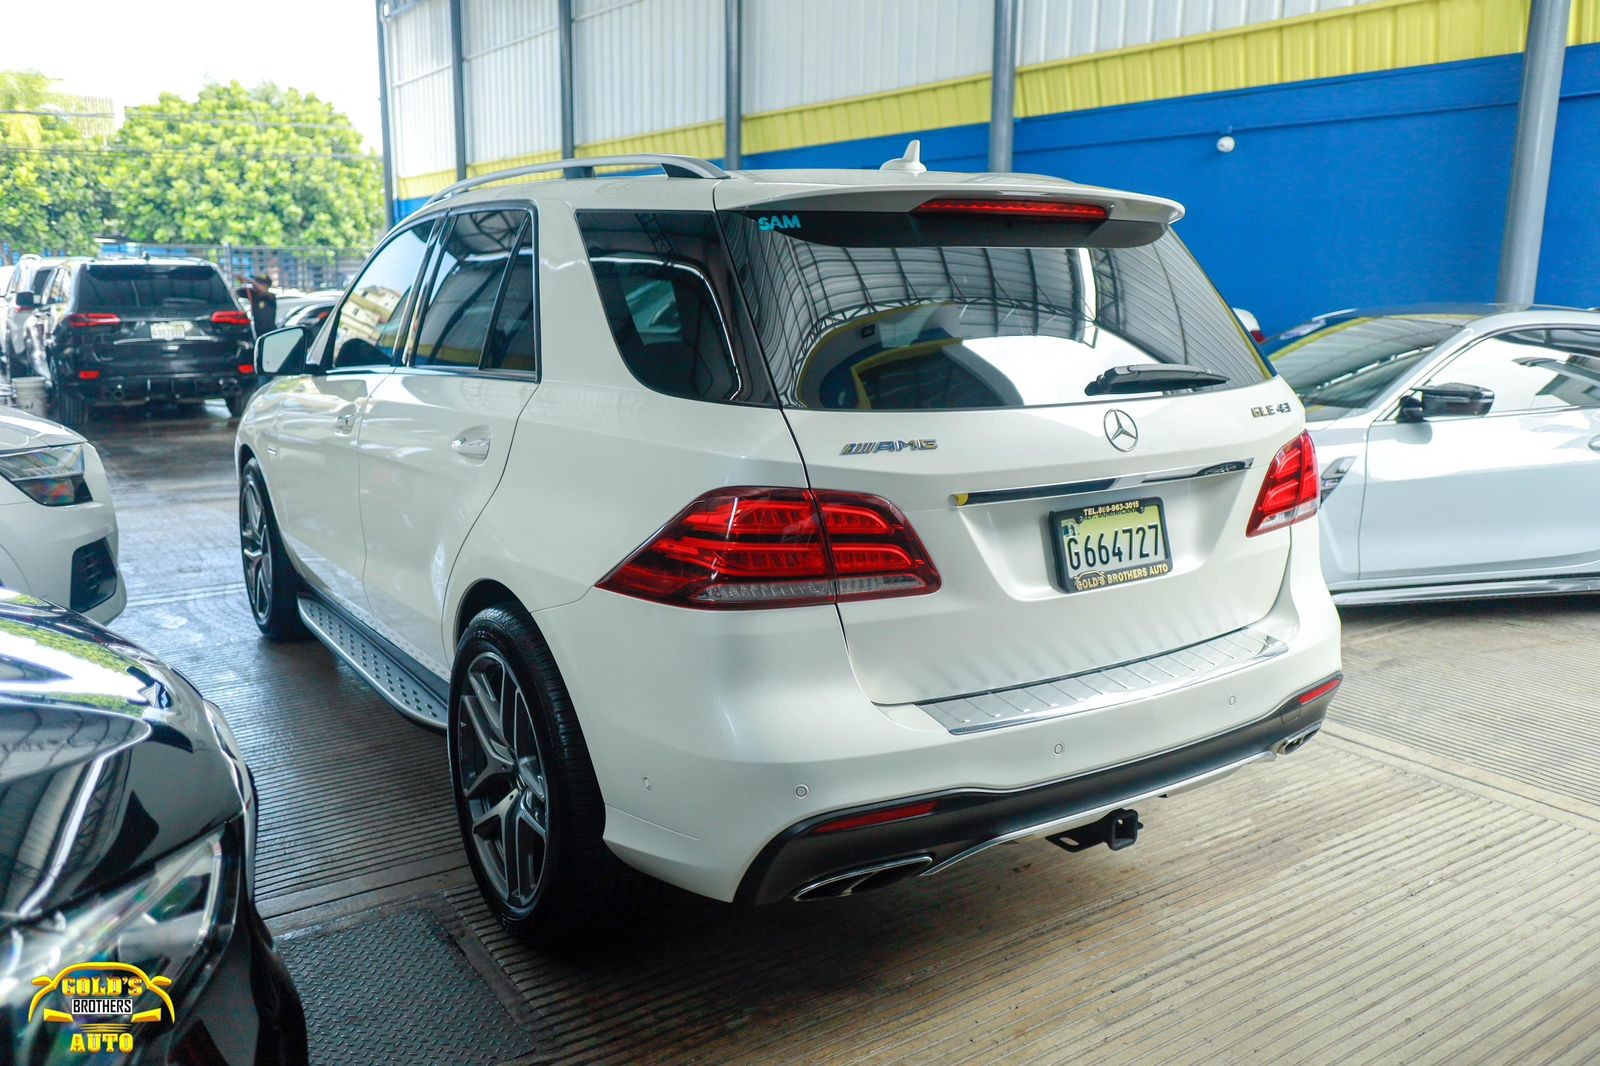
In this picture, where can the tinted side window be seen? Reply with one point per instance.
(467, 278)
(667, 286)
(368, 330)
(512, 341)
(1531, 370)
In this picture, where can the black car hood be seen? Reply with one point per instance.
(108, 759)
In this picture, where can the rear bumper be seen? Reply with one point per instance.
(716, 734)
(799, 863)
(154, 388)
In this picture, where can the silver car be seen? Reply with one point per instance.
(1459, 449)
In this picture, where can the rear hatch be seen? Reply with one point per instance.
(157, 320)
(939, 345)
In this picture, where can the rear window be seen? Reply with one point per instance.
(152, 287)
(889, 311)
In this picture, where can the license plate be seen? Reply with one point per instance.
(1111, 544)
(168, 331)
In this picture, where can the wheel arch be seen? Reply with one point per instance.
(481, 594)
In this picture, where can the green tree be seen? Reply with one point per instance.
(244, 166)
(52, 191)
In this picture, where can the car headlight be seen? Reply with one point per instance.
(52, 475)
(167, 922)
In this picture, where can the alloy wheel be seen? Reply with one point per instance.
(501, 778)
(256, 548)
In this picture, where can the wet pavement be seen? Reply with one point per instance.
(1417, 884)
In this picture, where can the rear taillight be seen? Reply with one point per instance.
(91, 319)
(1258, 336)
(1291, 489)
(88, 375)
(229, 318)
(766, 547)
(246, 368)
(1055, 210)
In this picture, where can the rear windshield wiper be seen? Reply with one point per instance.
(1153, 377)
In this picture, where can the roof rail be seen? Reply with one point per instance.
(675, 166)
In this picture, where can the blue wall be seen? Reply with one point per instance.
(1371, 189)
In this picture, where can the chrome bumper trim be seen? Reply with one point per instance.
(1109, 484)
(1093, 814)
(1106, 687)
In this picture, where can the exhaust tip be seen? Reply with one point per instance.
(1294, 744)
(863, 879)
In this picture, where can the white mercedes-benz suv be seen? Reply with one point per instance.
(784, 535)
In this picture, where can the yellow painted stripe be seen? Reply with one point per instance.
(427, 184)
(1375, 36)
(1385, 35)
(703, 139)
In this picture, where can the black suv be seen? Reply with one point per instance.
(141, 330)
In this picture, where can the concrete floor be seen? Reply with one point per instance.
(1421, 883)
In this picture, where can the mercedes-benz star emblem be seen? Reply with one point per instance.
(1121, 430)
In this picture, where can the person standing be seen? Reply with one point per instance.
(263, 305)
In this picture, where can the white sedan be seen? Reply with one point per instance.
(58, 529)
(1459, 449)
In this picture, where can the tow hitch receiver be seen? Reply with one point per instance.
(1117, 830)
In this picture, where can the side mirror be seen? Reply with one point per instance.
(283, 351)
(1446, 401)
(26, 300)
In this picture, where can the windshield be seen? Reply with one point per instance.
(1346, 367)
(182, 289)
(861, 310)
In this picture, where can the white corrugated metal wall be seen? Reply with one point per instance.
(421, 119)
(641, 66)
(804, 53)
(648, 66)
(512, 72)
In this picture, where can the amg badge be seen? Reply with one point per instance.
(869, 447)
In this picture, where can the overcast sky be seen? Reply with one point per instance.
(134, 50)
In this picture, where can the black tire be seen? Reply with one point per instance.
(270, 583)
(580, 893)
(69, 408)
(236, 403)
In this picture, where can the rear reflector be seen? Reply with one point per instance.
(890, 814)
(1291, 489)
(229, 318)
(1043, 209)
(1318, 692)
(766, 547)
(88, 375)
(91, 319)
(1258, 336)
(246, 368)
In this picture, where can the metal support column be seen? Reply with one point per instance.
(1003, 85)
(569, 126)
(1530, 162)
(733, 84)
(383, 119)
(458, 88)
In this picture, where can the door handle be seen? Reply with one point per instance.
(345, 422)
(476, 448)
(1594, 444)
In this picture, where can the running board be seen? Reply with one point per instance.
(378, 667)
